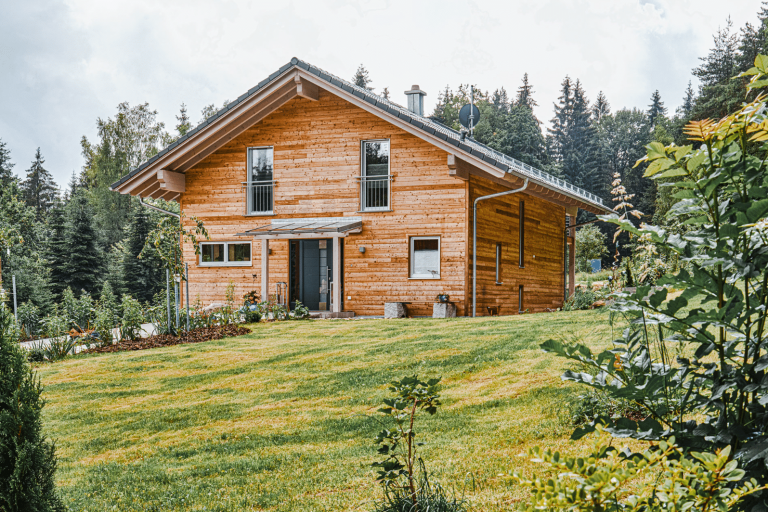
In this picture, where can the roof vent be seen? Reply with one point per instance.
(416, 100)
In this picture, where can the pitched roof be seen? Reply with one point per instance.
(469, 146)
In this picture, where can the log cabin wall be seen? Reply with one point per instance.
(316, 162)
(498, 222)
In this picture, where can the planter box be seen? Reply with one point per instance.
(443, 310)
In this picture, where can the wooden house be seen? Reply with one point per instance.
(316, 190)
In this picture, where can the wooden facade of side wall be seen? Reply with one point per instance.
(498, 222)
(316, 164)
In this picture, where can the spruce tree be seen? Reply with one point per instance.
(6, 166)
(184, 123)
(719, 94)
(525, 94)
(361, 78)
(684, 110)
(522, 138)
(656, 109)
(27, 458)
(81, 242)
(385, 93)
(601, 107)
(39, 187)
(56, 250)
(142, 277)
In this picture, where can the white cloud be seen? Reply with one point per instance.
(67, 63)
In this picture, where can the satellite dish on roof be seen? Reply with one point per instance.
(464, 116)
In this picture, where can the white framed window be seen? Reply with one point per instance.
(225, 254)
(260, 195)
(425, 257)
(374, 175)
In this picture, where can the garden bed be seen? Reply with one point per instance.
(167, 340)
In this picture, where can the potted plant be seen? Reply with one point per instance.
(442, 297)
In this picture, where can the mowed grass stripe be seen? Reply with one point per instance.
(283, 418)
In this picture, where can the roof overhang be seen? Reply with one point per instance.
(298, 79)
(322, 227)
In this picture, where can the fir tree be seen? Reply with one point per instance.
(6, 166)
(81, 243)
(27, 458)
(184, 123)
(500, 101)
(656, 109)
(686, 108)
(441, 112)
(56, 250)
(385, 93)
(719, 94)
(601, 107)
(361, 78)
(39, 187)
(522, 138)
(525, 94)
(142, 277)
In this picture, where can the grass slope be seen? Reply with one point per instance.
(283, 418)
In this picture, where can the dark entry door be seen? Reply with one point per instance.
(314, 273)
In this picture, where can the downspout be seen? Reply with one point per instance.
(474, 239)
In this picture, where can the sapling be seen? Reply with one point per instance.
(398, 444)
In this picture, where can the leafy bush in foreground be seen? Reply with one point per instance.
(714, 395)
(27, 459)
(664, 478)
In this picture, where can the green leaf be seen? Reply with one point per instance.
(677, 171)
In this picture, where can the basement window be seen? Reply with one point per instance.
(225, 254)
(425, 257)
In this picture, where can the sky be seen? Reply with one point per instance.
(65, 64)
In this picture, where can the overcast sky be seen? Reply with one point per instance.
(63, 64)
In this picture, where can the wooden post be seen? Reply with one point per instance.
(336, 274)
(264, 269)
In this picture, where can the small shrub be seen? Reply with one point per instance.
(29, 320)
(109, 302)
(157, 314)
(79, 312)
(103, 325)
(300, 311)
(581, 299)
(251, 297)
(251, 313)
(59, 344)
(405, 490)
(130, 324)
(661, 478)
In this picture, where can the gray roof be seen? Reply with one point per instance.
(451, 136)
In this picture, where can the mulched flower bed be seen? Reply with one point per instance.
(166, 340)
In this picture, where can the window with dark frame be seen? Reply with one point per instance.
(521, 229)
(498, 263)
(374, 175)
(224, 254)
(260, 183)
(520, 299)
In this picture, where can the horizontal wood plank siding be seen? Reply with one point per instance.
(498, 222)
(316, 162)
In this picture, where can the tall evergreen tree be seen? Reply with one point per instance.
(685, 110)
(573, 143)
(656, 109)
(56, 250)
(84, 261)
(718, 93)
(525, 94)
(601, 107)
(142, 277)
(27, 458)
(385, 93)
(522, 138)
(6, 166)
(361, 78)
(39, 187)
(184, 124)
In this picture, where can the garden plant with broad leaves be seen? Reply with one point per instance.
(695, 355)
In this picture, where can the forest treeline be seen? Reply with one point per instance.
(86, 237)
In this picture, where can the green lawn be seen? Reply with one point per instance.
(283, 419)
